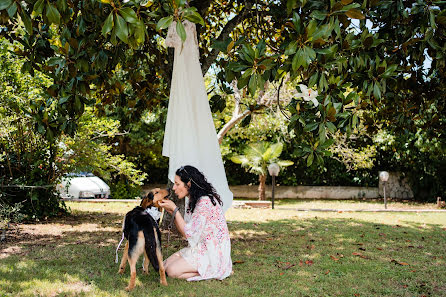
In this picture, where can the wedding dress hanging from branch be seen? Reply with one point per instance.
(190, 137)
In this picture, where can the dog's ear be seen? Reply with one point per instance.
(147, 201)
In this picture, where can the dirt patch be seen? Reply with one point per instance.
(76, 228)
(99, 229)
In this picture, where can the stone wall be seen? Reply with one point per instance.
(396, 187)
(307, 192)
(300, 192)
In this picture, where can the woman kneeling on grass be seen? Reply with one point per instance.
(208, 255)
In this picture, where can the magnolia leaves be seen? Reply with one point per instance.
(253, 66)
(182, 13)
(126, 25)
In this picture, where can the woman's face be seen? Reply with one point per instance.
(180, 188)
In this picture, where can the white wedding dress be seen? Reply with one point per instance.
(190, 137)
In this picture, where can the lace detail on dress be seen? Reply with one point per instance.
(174, 40)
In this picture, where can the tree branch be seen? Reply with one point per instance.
(229, 27)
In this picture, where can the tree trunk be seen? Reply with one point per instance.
(262, 180)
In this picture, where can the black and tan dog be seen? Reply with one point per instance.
(143, 236)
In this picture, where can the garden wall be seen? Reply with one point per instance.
(308, 192)
(396, 187)
(300, 192)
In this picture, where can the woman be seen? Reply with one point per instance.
(208, 254)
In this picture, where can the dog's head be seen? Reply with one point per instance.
(154, 197)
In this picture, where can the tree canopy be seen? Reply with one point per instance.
(356, 54)
(386, 58)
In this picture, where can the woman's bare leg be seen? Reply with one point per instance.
(177, 267)
(171, 259)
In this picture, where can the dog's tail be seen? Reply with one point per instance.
(153, 248)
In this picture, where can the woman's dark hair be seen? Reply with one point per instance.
(199, 186)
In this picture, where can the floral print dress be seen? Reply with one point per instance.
(209, 249)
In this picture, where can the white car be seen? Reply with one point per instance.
(83, 185)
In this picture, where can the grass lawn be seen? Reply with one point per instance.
(281, 252)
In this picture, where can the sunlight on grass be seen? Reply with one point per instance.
(280, 252)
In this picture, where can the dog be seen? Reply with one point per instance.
(143, 236)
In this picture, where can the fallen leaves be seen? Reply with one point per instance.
(238, 262)
(307, 262)
(285, 265)
(338, 256)
(398, 262)
(360, 255)
(334, 258)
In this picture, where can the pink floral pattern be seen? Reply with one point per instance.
(209, 247)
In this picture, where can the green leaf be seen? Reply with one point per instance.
(164, 23)
(38, 7)
(129, 15)
(274, 151)
(41, 129)
(108, 24)
(240, 159)
(311, 127)
(181, 31)
(284, 163)
(180, 3)
(389, 71)
(140, 32)
(242, 82)
(326, 144)
(12, 10)
(62, 100)
(298, 59)
(291, 48)
(311, 28)
(5, 4)
(432, 19)
(248, 53)
(310, 53)
(195, 17)
(318, 15)
(297, 23)
(247, 73)
(122, 30)
(52, 14)
(26, 67)
(376, 91)
(321, 132)
(310, 159)
(313, 79)
(62, 5)
(331, 127)
(260, 48)
(27, 22)
(252, 86)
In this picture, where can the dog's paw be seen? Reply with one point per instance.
(163, 282)
(121, 270)
(129, 288)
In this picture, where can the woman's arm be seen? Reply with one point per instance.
(180, 223)
(170, 207)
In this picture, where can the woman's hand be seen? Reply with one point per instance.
(168, 205)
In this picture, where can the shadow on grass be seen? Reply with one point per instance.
(299, 257)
